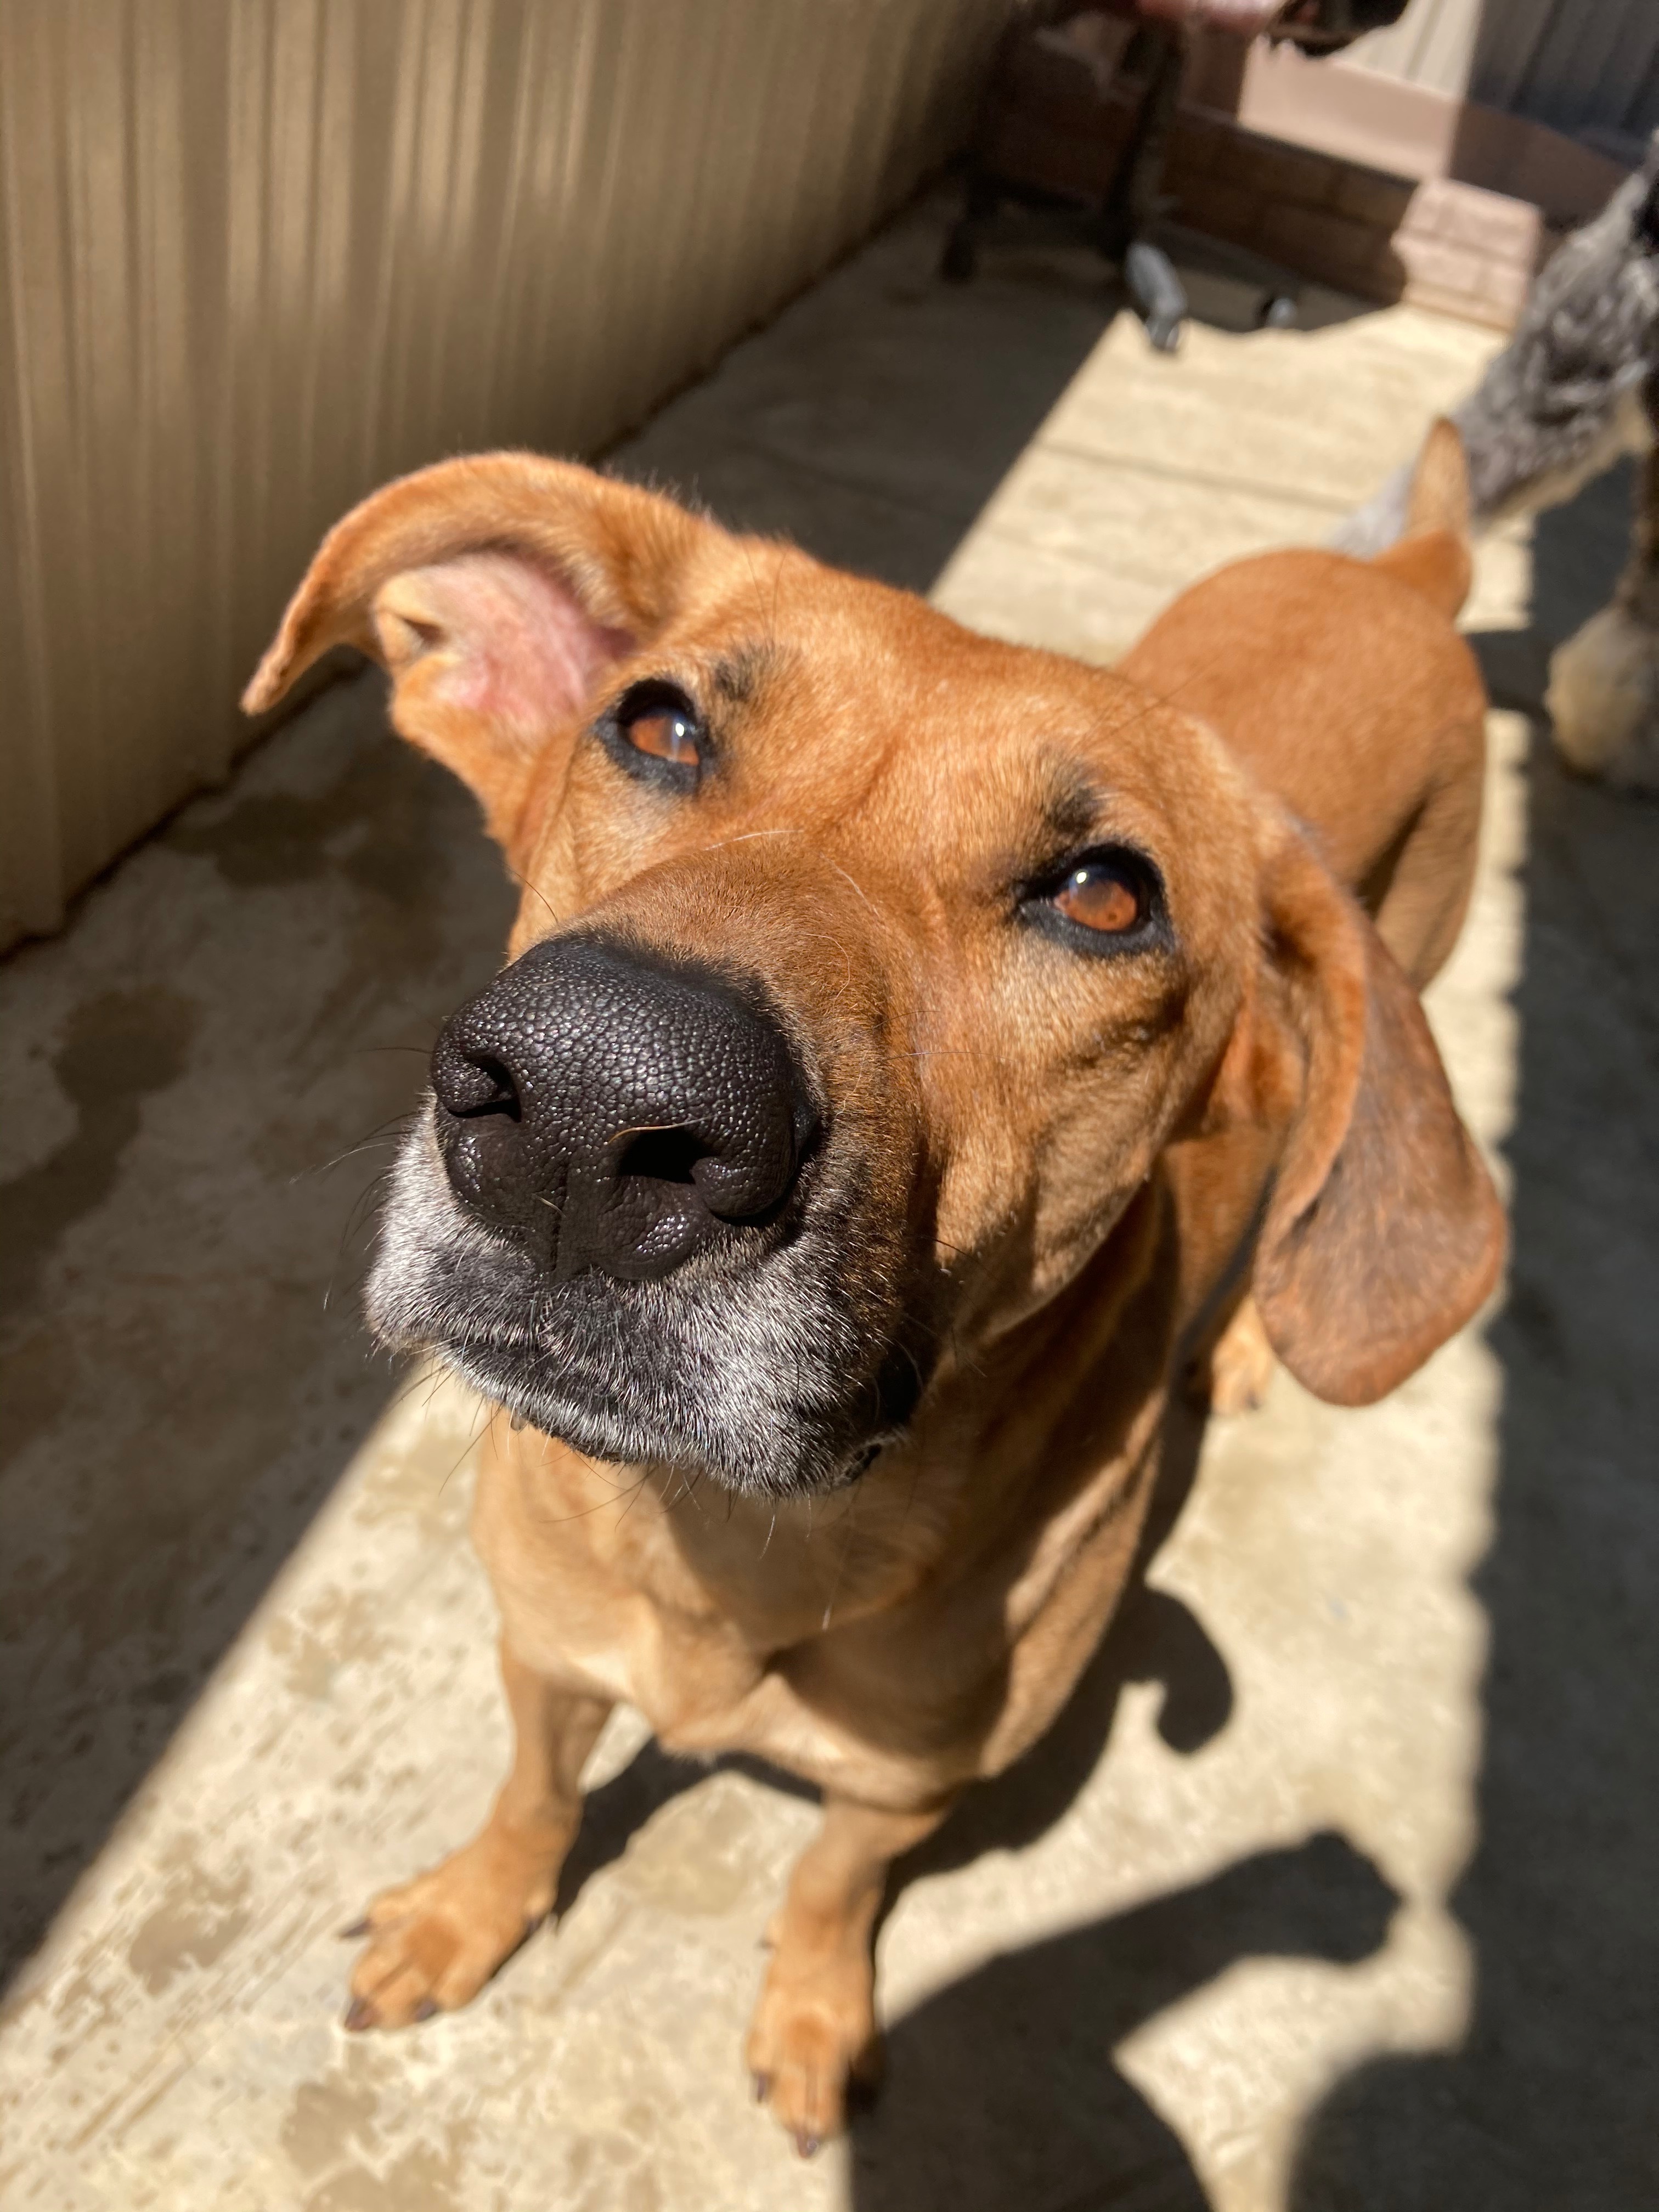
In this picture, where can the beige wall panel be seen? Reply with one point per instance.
(1431, 45)
(258, 255)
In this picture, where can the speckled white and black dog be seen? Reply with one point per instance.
(1577, 387)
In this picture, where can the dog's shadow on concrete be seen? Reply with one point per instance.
(1000, 2089)
(1549, 2101)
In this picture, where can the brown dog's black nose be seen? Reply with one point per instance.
(616, 1113)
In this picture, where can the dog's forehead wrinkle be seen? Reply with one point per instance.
(1071, 802)
(739, 675)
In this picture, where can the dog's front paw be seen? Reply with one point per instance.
(813, 2037)
(436, 1941)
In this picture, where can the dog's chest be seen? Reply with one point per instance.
(592, 1591)
(676, 1608)
(697, 1620)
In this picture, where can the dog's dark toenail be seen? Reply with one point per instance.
(806, 2145)
(359, 2015)
(357, 1928)
(426, 2008)
(760, 2086)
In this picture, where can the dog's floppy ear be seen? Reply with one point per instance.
(1382, 1233)
(498, 591)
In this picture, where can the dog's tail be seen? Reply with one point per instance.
(1432, 555)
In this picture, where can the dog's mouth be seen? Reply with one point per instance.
(767, 1366)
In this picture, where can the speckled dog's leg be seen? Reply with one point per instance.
(814, 2029)
(435, 1940)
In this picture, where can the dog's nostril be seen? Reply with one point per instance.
(663, 1155)
(472, 1084)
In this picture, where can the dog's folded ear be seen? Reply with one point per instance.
(1382, 1233)
(498, 591)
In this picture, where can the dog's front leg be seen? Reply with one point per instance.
(437, 1940)
(814, 2029)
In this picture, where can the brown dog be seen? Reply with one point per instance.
(1359, 705)
(905, 1036)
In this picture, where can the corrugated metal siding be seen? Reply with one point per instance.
(1587, 67)
(258, 255)
(1584, 66)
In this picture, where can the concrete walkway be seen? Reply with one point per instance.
(1332, 1891)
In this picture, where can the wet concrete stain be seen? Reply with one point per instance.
(424, 2180)
(199, 1917)
(174, 1403)
(702, 1855)
(120, 1048)
(328, 2121)
(37, 1377)
(314, 1646)
(604, 2173)
(375, 824)
(329, 2135)
(390, 824)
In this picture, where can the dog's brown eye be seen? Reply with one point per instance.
(655, 734)
(665, 734)
(1102, 895)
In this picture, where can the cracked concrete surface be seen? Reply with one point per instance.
(1331, 1890)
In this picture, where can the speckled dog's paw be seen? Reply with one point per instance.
(813, 2036)
(434, 1941)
